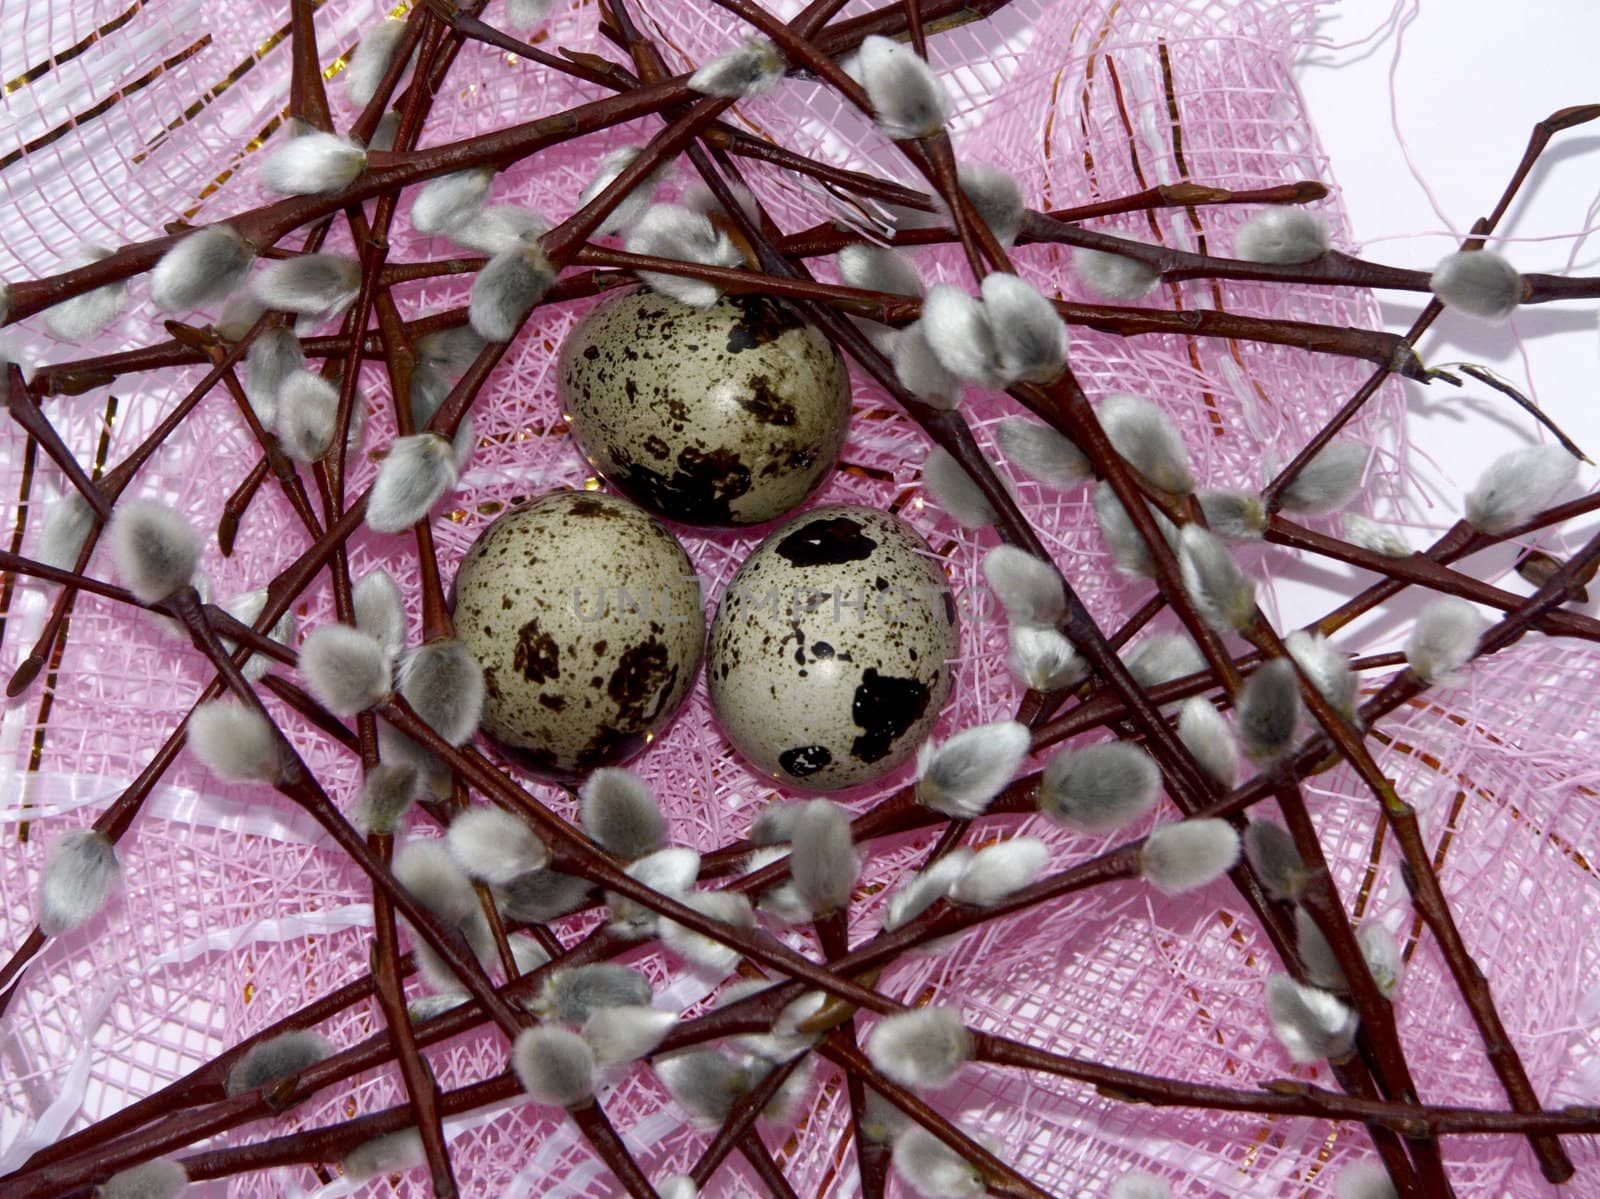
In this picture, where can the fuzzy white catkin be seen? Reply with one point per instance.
(1136, 1184)
(996, 196)
(1381, 951)
(709, 953)
(428, 871)
(612, 164)
(1329, 481)
(1327, 669)
(391, 1154)
(155, 550)
(1042, 659)
(554, 1066)
(1443, 640)
(1028, 588)
(346, 670)
(386, 795)
(493, 845)
(1310, 1023)
(85, 315)
(1364, 1180)
(451, 351)
(1479, 283)
(1122, 537)
(507, 288)
(625, 1033)
(1184, 856)
(706, 1082)
(962, 776)
(879, 268)
(314, 163)
(957, 329)
(443, 203)
(81, 871)
(954, 491)
(161, 1178)
(444, 685)
(1234, 515)
(1148, 439)
(1519, 485)
(925, 889)
(525, 14)
(1268, 707)
(1205, 734)
(918, 369)
(671, 871)
(498, 228)
(1281, 235)
(1163, 657)
(275, 1059)
(240, 311)
(744, 72)
(380, 611)
(67, 523)
(235, 743)
(1379, 538)
(932, 1169)
(774, 823)
(1099, 788)
(1030, 336)
(373, 54)
(679, 1186)
(199, 268)
(1316, 955)
(1223, 595)
(434, 775)
(621, 815)
(1271, 852)
(246, 608)
(1041, 453)
(658, 871)
(922, 1048)
(907, 97)
(10, 353)
(575, 994)
(701, 198)
(417, 471)
(317, 285)
(823, 859)
(672, 231)
(271, 359)
(997, 871)
(308, 407)
(1113, 276)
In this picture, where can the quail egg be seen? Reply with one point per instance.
(588, 621)
(829, 658)
(728, 415)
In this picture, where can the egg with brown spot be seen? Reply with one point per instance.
(728, 415)
(588, 620)
(830, 655)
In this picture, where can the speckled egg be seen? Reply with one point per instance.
(728, 415)
(829, 658)
(588, 621)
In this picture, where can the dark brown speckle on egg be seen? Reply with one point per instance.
(729, 415)
(591, 641)
(827, 663)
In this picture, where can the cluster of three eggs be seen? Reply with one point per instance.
(829, 658)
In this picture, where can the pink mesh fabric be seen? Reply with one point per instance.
(235, 911)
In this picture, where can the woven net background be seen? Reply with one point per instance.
(236, 911)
